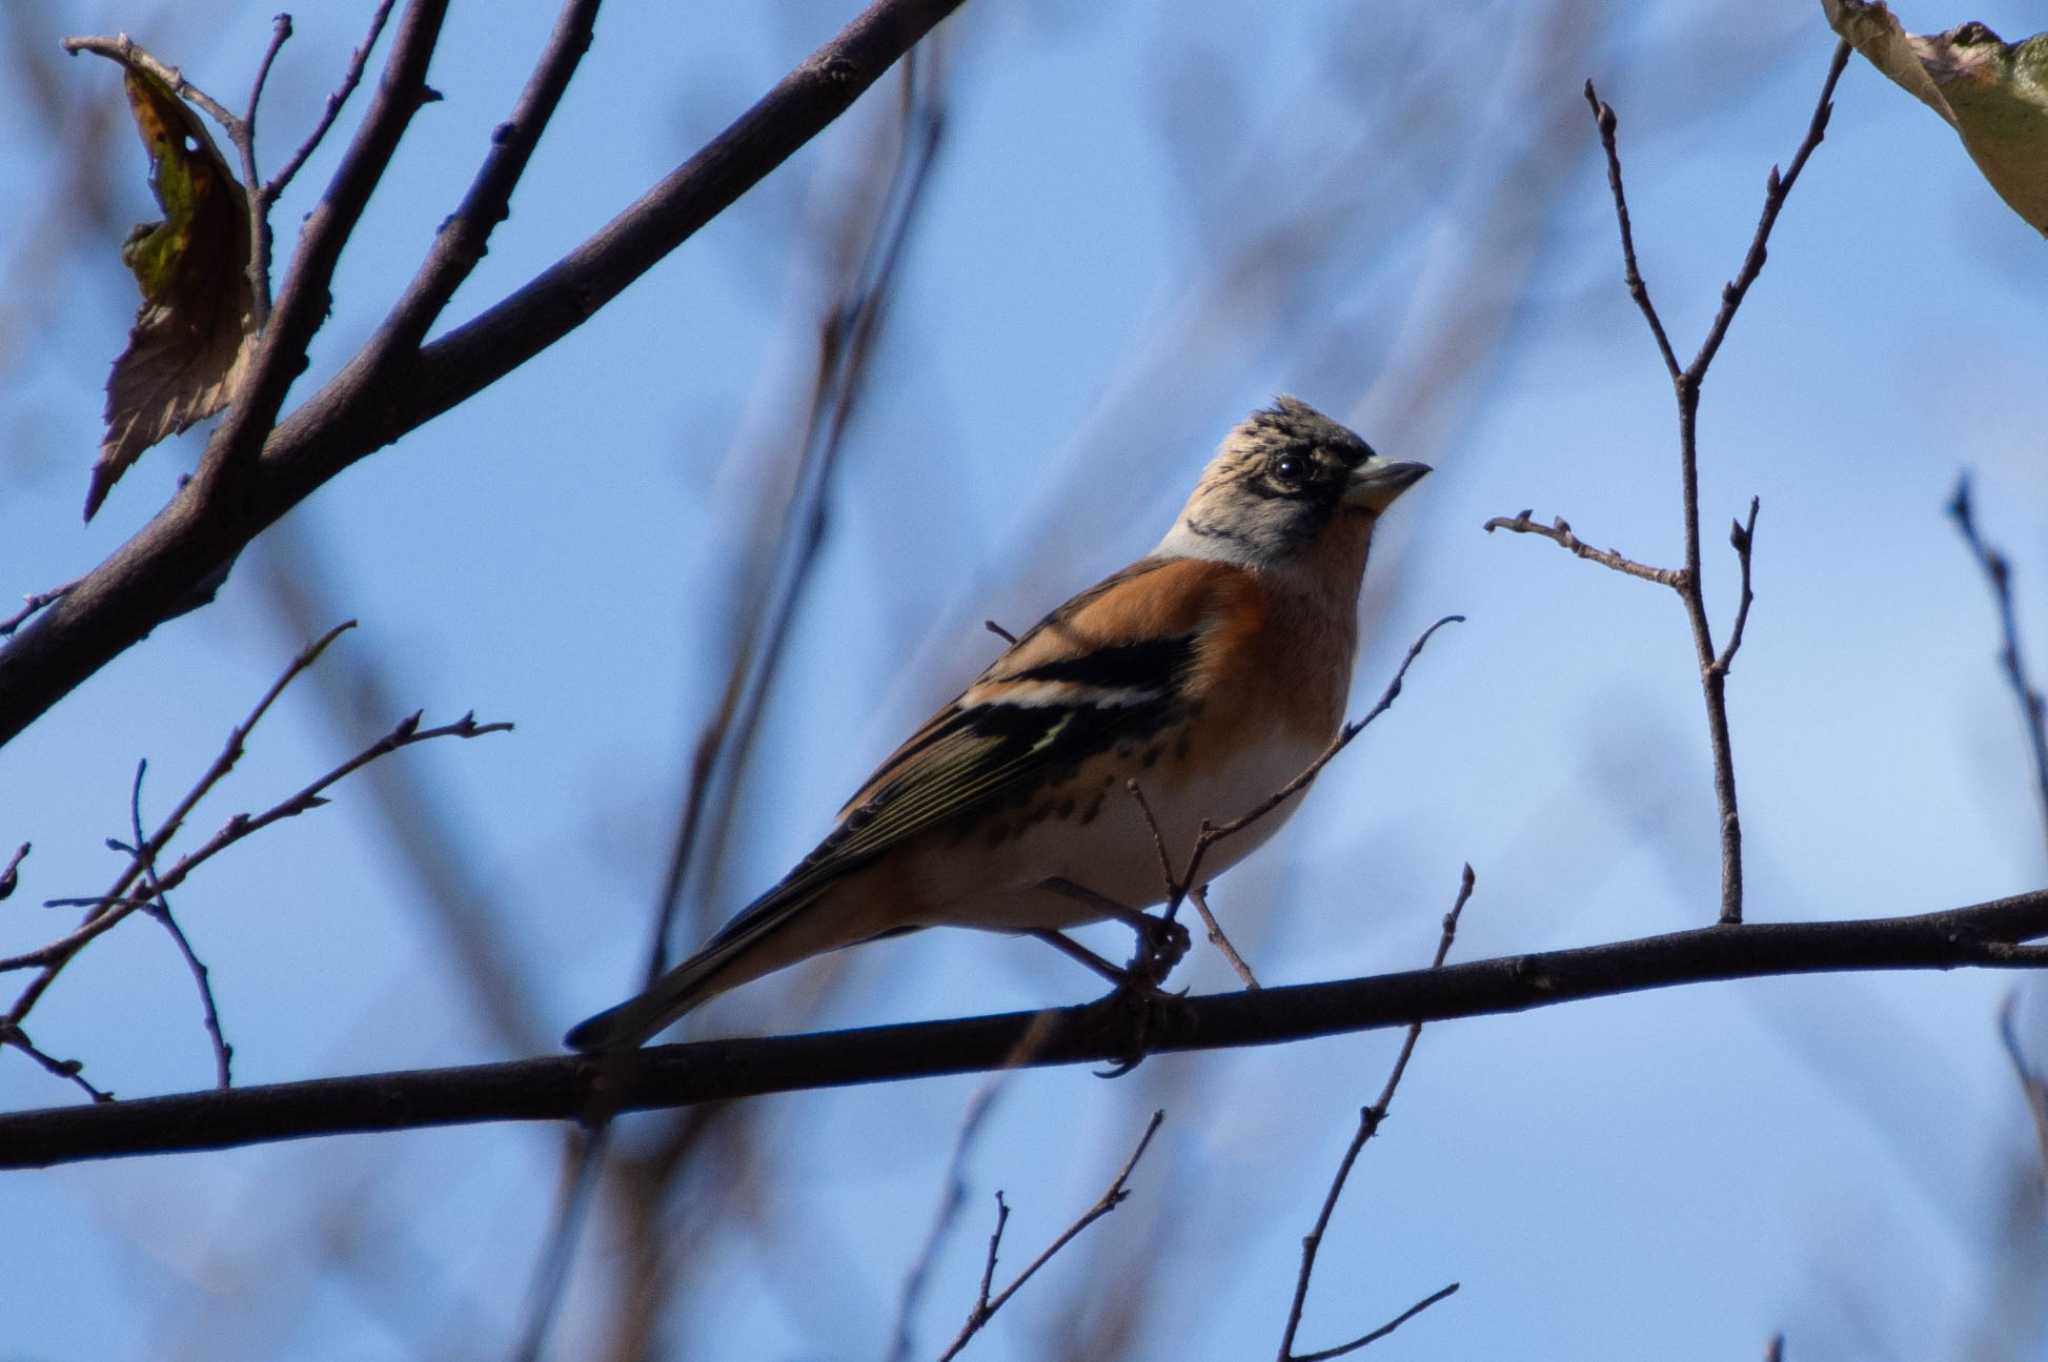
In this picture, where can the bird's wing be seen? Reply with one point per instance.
(1112, 665)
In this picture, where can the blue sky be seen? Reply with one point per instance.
(1078, 321)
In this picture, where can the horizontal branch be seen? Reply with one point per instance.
(567, 1087)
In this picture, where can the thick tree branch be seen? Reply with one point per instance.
(560, 1087)
(174, 563)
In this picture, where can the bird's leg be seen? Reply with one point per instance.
(1161, 944)
(1137, 1011)
(1074, 950)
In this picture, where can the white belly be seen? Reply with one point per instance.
(1113, 854)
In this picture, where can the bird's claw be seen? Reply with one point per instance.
(1139, 1014)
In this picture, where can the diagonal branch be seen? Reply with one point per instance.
(986, 1306)
(171, 564)
(560, 1087)
(1369, 1121)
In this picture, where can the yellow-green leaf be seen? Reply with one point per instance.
(193, 333)
(1993, 93)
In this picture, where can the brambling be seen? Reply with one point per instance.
(1212, 670)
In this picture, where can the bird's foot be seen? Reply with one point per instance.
(1137, 1015)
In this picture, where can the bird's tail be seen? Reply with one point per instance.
(751, 945)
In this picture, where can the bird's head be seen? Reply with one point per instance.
(1283, 482)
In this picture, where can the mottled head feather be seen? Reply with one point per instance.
(1276, 482)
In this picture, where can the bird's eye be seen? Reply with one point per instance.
(1289, 468)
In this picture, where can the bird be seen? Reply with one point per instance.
(1210, 672)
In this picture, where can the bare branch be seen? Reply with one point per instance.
(10, 874)
(1376, 1335)
(71, 1070)
(559, 1087)
(167, 566)
(1560, 534)
(305, 300)
(1686, 384)
(1199, 896)
(243, 135)
(1112, 1197)
(350, 78)
(1211, 834)
(1741, 538)
(1776, 189)
(123, 49)
(120, 904)
(460, 242)
(1998, 572)
(1603, 119)
(31, 604)
(159, 907)
(1369, 1121)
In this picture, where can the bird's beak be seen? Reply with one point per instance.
(1376, 482)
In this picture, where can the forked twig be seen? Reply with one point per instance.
(1369, 1121)
(986, 1306)
(159, 908)
(1686, 382)
(125, 897)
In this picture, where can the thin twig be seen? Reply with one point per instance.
(243, 135)
(461, 240)
(159, 907)
(1998, 572)
(1112, 1197)
(1369, 1121)
(1212, 833)
(126, 51)
(2033, 1086)
(312, 796)
(10, 875)
(1774, 1351)
(1004, 634)
(1198, 895)
(1776, 190)
(951, 1201)
(31, 604)
(1377, 1334)
(1741, 538)
(306, 296)
(1603, 119)
(67, 1069)
(350, 78)
(109, 909)
(1687, 580)
(1560, 534)
(1175, 886)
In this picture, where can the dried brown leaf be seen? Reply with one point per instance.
(192, 335)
